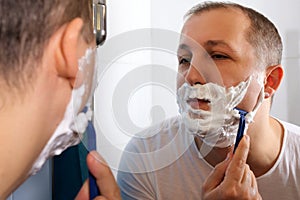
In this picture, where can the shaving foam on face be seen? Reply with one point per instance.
(218, 126)
(250, 116)
(74, 123)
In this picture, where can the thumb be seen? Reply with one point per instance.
(103, 175)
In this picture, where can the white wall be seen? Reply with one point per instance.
(126, 54)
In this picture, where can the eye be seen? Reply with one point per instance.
(218, 56)
(184, 64)
(184, 61)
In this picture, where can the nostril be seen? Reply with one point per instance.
(196, 83)
(194, 77)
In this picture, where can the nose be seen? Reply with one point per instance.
(194, 76)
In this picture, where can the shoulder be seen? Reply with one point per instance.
(291, 129)
(291, 136)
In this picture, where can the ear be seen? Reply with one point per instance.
(69, 50)
(274, 75)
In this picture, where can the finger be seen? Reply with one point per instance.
(254, 188)
(253, 180)
(247, 179)
(217, 175)
(104, 177)
(84, 192)
(236, 167)
(100, 198)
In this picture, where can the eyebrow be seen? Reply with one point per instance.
(213, 43)
(184, 47)
(208, 44)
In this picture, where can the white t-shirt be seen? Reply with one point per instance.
(164, 163)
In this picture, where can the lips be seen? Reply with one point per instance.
(200, 104)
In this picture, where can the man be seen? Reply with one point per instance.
(41, 44)
(229, 69)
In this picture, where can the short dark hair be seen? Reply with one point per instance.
(262, 33)
(25, 29)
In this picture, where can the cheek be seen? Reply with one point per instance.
(251, 98)
(233, 77)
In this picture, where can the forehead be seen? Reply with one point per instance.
(221, 24)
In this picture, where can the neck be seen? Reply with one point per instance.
(266, 136)
(26, 126)
(19, 133)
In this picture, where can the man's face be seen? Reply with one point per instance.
(213, 48)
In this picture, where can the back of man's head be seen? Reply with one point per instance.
(262, 33)
(25, 29)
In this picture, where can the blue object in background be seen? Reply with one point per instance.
(69, 172)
